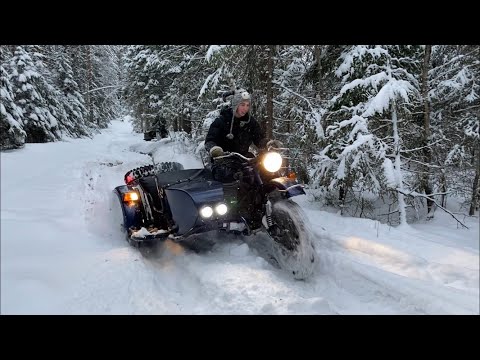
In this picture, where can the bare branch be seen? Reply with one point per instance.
(467, 108)
(419, 162)
(294, 93)
(101, 88)
(420, 148)
(284, 120)
(416, 194)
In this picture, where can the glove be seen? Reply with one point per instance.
(216, 151)
(274, 144)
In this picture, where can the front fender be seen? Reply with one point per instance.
(132, 215)
(287, 186)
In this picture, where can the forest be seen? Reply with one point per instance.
(387, 132)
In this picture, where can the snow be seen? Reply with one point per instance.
(389, 173)
(62, 251)
(212, 49)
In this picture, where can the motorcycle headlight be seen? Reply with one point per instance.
(221, 209)
(206, 211)
(272, 161)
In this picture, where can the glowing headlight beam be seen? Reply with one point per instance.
(221, 209)
(272, 161)
(206, 212)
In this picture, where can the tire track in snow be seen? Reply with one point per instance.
(358, 266)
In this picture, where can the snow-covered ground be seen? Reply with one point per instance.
(62, 251)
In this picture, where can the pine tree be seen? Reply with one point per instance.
(13, 136)
(30, 87)
(140, 78)
(455, 98)
(72, 100)
(363, 122)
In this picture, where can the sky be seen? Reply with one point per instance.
(63, 252)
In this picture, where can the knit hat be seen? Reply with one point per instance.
(239, 96)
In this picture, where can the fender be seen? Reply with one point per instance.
(287, 186)
(132, 215)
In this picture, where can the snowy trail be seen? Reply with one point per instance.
(387, 262)
(63, 251)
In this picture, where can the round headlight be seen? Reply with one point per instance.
(206, 211)
(221, 209)
(272, 161)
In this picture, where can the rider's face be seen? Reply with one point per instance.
(242, 108)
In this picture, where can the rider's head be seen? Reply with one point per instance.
(241, 102)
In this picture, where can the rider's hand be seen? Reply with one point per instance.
(216, 151)
(274, 144)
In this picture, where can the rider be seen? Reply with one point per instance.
(235, 129)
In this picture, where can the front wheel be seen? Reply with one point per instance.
(293, 248)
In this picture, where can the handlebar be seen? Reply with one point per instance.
(231, 154)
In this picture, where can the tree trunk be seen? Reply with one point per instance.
(175, 124)
(342, 196)
(398, 170)
(475, 186)
(427, 152)
(269, 122)
(443, 188)
(89, 84)
(318, 56)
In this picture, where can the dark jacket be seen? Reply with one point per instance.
(243, 136)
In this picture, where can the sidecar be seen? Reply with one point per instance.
(175, 204)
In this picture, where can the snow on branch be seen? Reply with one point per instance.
(101, 88)
(416, 194)
(420, 148)
(212, 50)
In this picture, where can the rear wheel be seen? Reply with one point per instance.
(293, 247)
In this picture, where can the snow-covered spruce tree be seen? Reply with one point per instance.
(72, 100)
(143, 87)
(95, 70)
(32, 93)
(304, 79)
(364, 125)
(76, 56)
(107, 78)
(101, 77)
(6, 53)
(455, 100)
(11, 117)
(183, 69)
(45, 58)
(71, 113)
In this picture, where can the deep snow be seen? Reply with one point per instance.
(62, 251)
